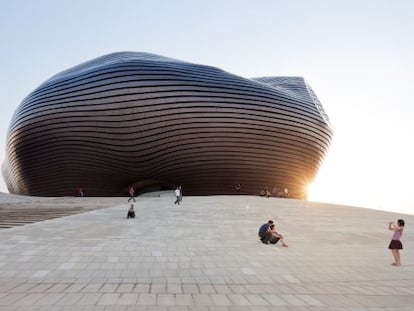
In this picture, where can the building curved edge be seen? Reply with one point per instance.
(141, 119)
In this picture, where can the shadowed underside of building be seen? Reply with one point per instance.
(154, 122)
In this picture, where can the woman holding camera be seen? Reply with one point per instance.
(396, 244)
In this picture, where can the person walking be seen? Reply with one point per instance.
(131, 192)
(395, 244)
(181, 194)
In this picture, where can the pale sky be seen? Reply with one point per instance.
(357, 55)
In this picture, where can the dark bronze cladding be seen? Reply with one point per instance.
(154, 122)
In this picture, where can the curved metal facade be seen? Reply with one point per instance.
(141, 119)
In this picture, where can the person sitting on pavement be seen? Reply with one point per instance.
(264, 232)
(131, 212)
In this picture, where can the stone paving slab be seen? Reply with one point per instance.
(205, 255)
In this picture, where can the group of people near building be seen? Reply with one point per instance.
(268, 233)
(276, 192)
(131, 212)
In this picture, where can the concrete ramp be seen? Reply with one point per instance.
(18, 210)
(205, 255)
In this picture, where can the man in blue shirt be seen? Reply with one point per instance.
(264, 233)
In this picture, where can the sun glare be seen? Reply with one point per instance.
(312, 191)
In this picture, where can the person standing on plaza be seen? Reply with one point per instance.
(131, 192)
(177, 195)
(395, 244)
(181, 194)
(238, 188)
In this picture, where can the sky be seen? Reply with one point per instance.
(356, 54)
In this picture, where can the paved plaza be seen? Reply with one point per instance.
(205, 255)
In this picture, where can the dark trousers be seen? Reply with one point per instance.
(177, 201)
(131, 198)
(273, 239)
(266, 238)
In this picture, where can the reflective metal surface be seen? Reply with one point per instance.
(153, 122)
